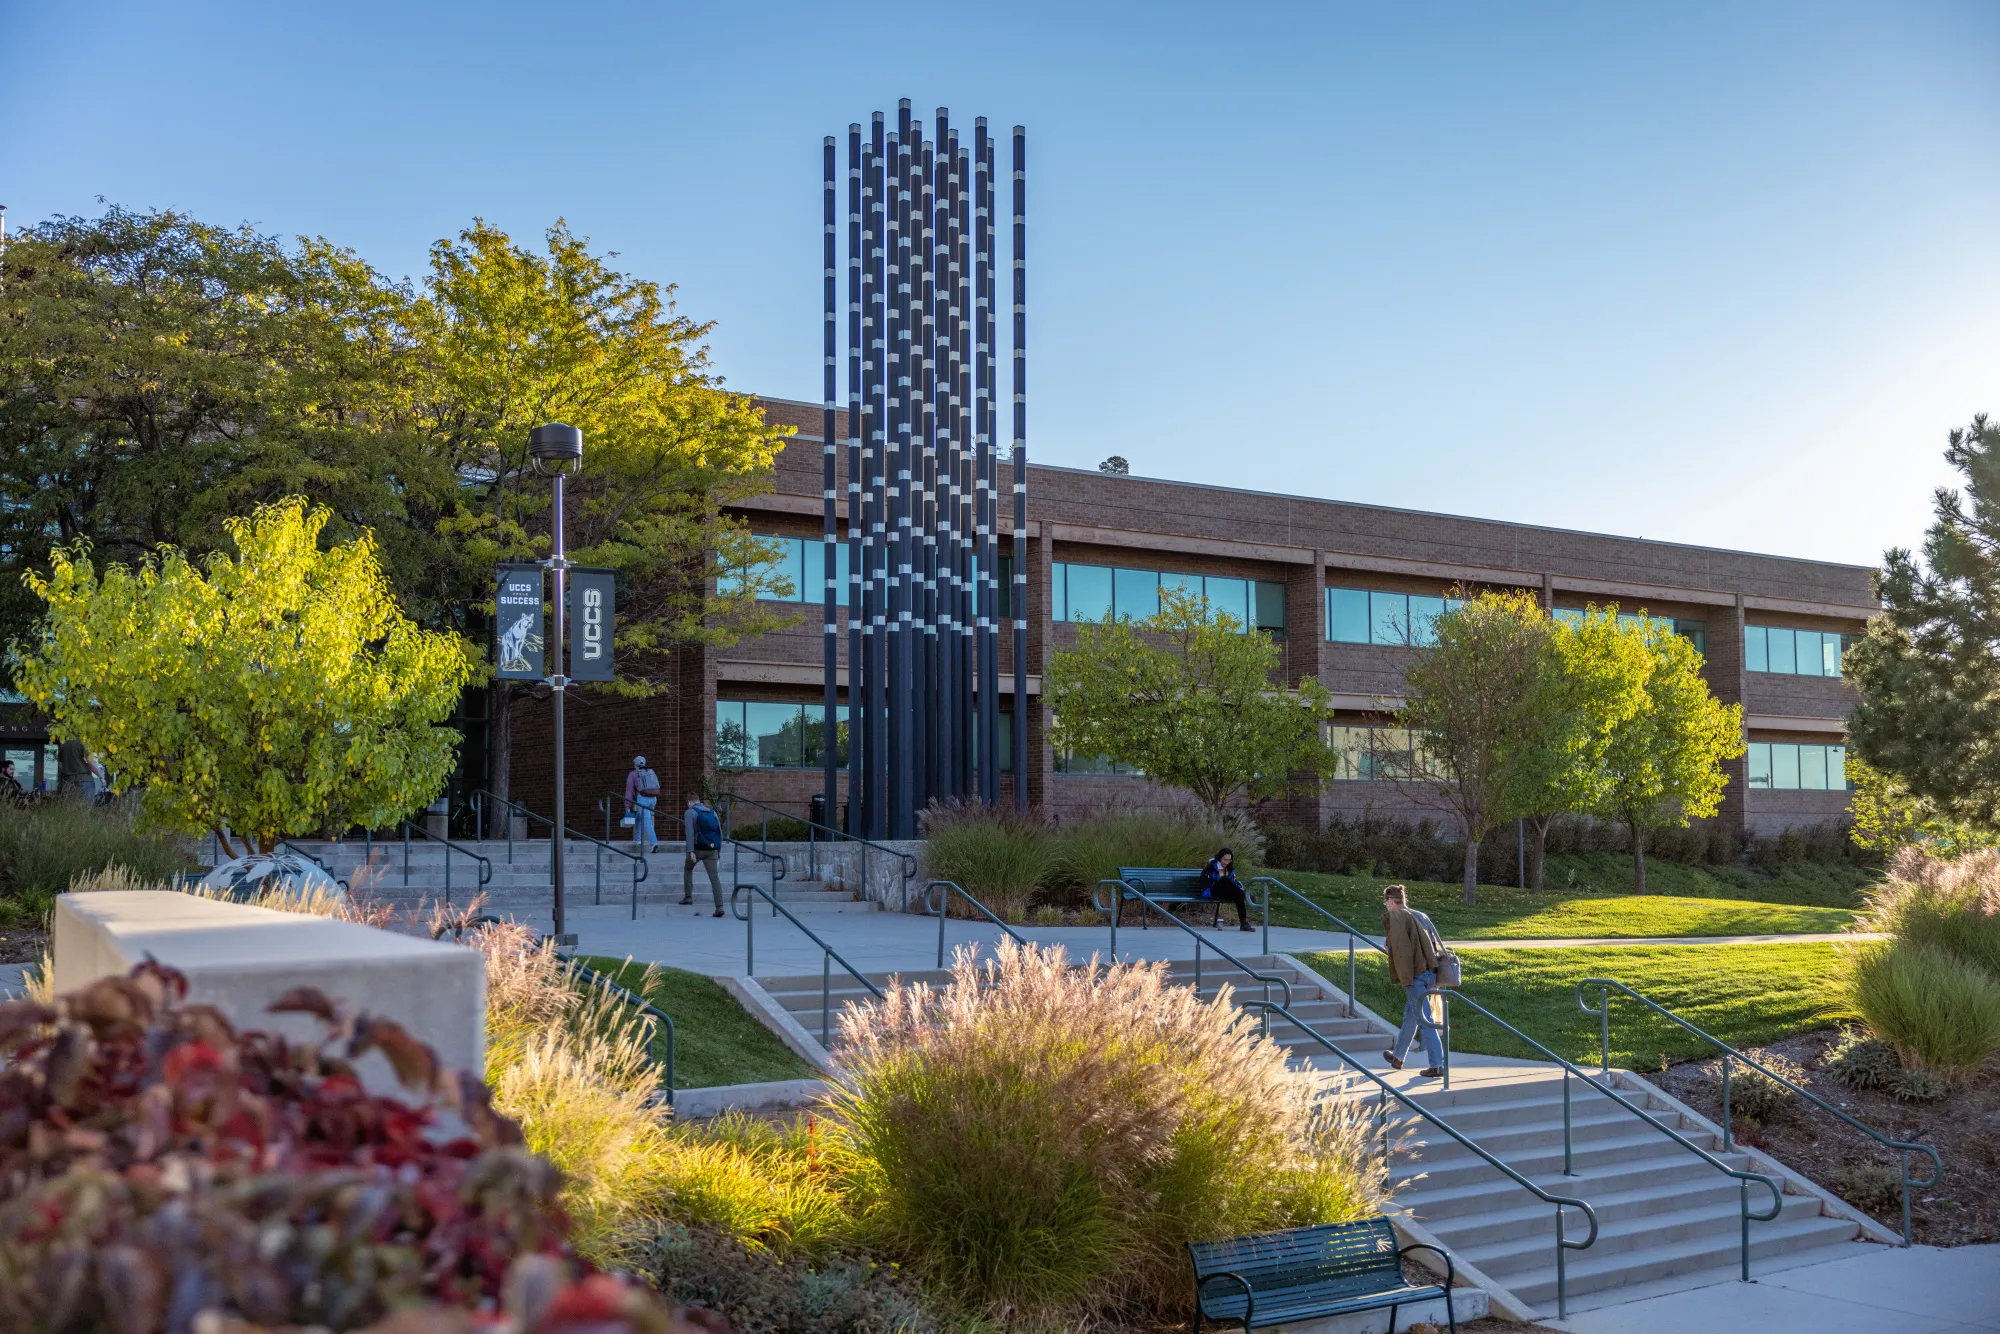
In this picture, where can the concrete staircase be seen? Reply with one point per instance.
(520, 876)
(1667, 1219)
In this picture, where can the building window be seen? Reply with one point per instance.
(801, 564)
(1372, 616)
(1092, 592)
(1367, 754)
(1695, 632)
(757, 734)
(1786, 652)
(1787, 767)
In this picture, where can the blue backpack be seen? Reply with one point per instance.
(707, 830)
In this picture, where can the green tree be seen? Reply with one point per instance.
(1928, 672)
(275, 691)
(1600, 684)
(1188, 697)
(1663, 763)
(1477, 701)
(1886, 817)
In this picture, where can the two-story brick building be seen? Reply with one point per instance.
(1345, 586)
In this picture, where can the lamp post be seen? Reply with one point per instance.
(557, 450)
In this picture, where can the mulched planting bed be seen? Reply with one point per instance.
(1964, 1206)
(22, 944)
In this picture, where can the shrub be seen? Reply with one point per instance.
(1860, 1061)
(1093, 847)
(1934, 1008)
(1876, 1187)
(1038, 1141)
(1919, 1084)
(151, 1153)
(764, 1294)
(1758, 1097)
(1949, 904)
(47, 845)
(995, 853)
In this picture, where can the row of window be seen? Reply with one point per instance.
(1374, 616)
(802, 564)
(1780, 764)
(1364, 754)
(1094, 592)
(757, 734)
(1695, 632)
(1771, 648)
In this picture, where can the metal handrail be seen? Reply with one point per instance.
(1133, 891)
(1743, 1179)
(485, 863)
(779, 869)
(813, 831)
(640, 870)
(1602, 1013)
(935, 902)
(1386, 1090)
(828, 956)
(1353, 933)
(634, 999)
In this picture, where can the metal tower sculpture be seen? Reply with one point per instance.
(923, 473)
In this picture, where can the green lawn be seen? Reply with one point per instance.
(1746, 995)
(1690, 902)
(716, 1041)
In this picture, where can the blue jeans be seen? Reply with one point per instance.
(643, 832)
(1413, 1010)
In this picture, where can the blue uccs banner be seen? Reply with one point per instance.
(590, 594)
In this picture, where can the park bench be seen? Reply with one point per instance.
(1309, 1273)
(1163, 885)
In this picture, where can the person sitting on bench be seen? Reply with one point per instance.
(1218, 881)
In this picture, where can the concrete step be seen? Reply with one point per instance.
(1498, 1194)
(1661, 1225)
(1635, 1144)
(1620, 1271)
(1531, 1218)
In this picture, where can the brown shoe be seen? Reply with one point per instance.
(718, 912)
(1432, 1073)
(1390, 1057)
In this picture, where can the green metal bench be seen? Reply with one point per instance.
(1165, 885)
(1309, 1273)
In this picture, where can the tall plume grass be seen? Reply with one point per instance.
(1037, 1141)
(1933, 991)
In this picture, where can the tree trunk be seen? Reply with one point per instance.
(1538, 850)
(1638, 859)
(500, 751)
(1470, 895)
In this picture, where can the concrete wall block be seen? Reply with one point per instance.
(241, 959)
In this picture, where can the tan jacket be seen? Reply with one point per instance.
(1409, 948)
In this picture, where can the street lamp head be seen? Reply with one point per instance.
(556, 447)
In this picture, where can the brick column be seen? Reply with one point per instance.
(1726, 673)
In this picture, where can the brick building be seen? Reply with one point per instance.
(1345, 586)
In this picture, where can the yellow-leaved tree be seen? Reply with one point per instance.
(269, 692)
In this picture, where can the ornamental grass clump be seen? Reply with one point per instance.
(1038, 1142)
(998, 855)
(1947, 903)
(1935, 1009)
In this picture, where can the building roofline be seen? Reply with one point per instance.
(1388, 509)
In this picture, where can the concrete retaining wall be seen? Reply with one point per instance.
(241, 959)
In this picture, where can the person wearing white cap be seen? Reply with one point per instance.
(642, 798)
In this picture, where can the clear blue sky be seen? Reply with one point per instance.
(1710, 273)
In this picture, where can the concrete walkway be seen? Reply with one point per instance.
(888, 942)
(1875, 1290)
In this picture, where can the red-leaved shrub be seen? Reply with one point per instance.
(161, 1172)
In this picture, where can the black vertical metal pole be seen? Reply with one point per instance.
(902, 442)
(855, 330)
(988, 501)
(879, 214)
(558, 683)
(1020, 607)
(957, 689)
(967, 460)
(830, 340)
(923, 648)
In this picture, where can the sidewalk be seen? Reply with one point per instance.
(1876, 1290)
(889, 942)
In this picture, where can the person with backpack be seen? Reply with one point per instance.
(642, 798)
(1415, 952)
(704, 845)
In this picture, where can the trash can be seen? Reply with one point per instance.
(817, 811)
(437, 818)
